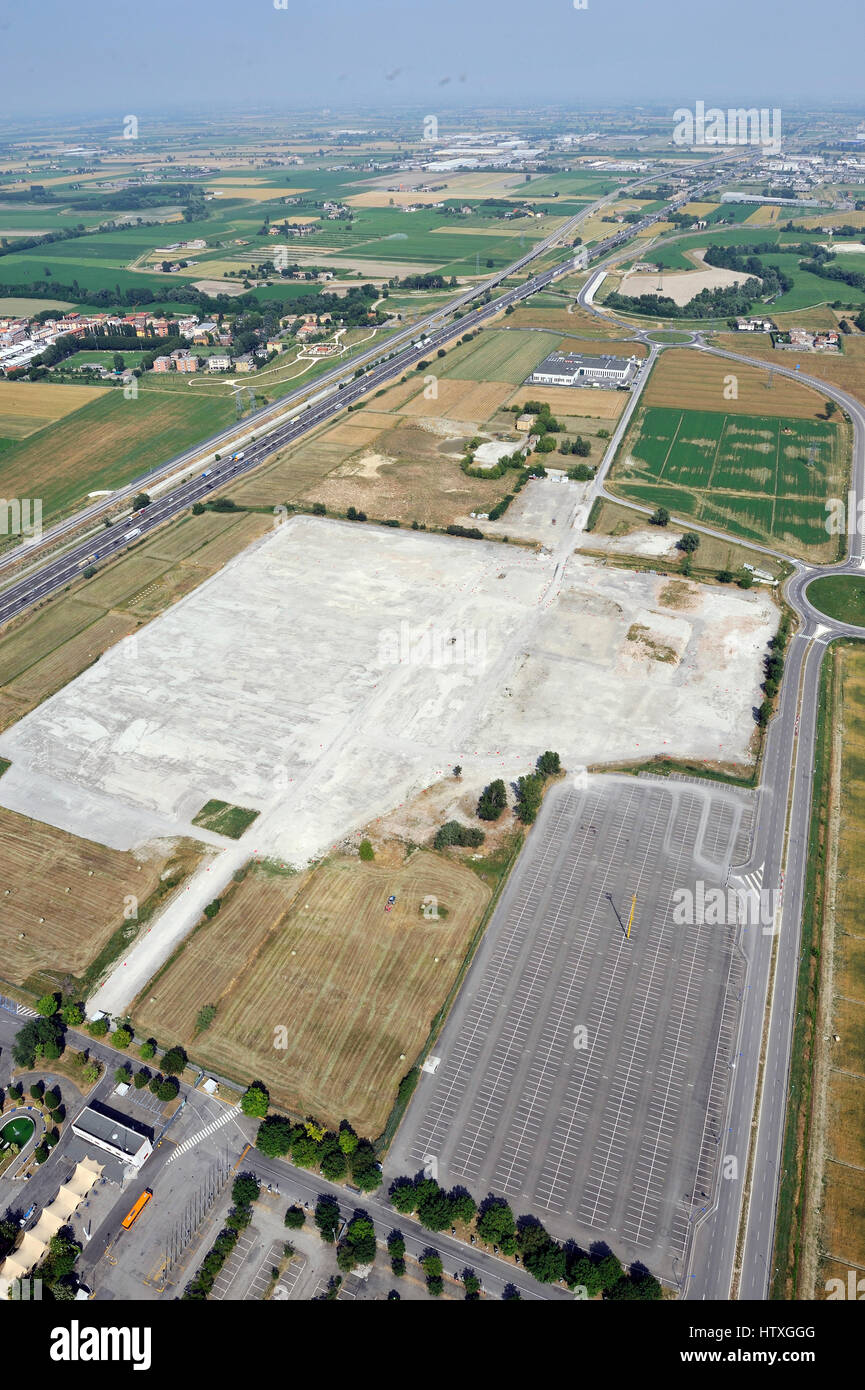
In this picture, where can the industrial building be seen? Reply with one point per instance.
(573, 369)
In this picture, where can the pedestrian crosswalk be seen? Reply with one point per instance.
(202, 1134)
(754, 880)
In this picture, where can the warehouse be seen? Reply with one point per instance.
(573, 369)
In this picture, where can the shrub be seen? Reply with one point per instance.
(452, 833)
(366, 851)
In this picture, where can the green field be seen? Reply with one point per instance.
(224, 819)
(500, 356)
(840, 596)
(107, 443)
(764, 478)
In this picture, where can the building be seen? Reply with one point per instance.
(754, 325)
(111, 1133)
(524, 423)
(219, 362)
(573, 369)
(162, 364)
(186, 361)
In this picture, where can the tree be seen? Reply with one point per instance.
(529, 795)
(168, 1088)
(205, 1017)
(549, 764)
(334, 1164)
(255, 1100)
(147, 1050)
(173, 1061)
(659, 517)
(403, 1196)
(493, 800)
(122, 1076)
(724, 576)
(274, 1136)
(745, 580)
(72, 1015)
(40, 1037)
(98, 1028)
(831, 408)
(37, 1090)
(197, 508)
(305, 1152)
(140, 1079)
(495, 1221)
(122, 1036)
(295, 1218)
(119, 363)
(327, 1218)
(48, 1005)
(689, 542)
(245, 1190)
(347, 1139)
(458, 772)
(366, 851)
(141, 499)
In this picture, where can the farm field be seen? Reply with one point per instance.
(838, 1144)
(697, 381)
(846, 369)
(356, 987)
(499, 355)
(105, 443)
(761, 477)
(65, 897)
(26, 407)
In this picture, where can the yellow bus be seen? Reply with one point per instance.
(137, 1209)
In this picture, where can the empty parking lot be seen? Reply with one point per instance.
(584, 1074)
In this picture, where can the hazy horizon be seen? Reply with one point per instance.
(211, 56)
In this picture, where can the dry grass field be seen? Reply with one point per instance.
(846, 369)
(841, 1135)
(583, 401)
(64, 898)
(695, 381)
(473, 401)
(355, 987)
(26, 407)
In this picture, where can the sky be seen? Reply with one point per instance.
(76, 56)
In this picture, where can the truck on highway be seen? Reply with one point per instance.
(237, 456)
(207, 472)
(128, 535)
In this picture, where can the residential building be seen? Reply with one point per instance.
(162, 364)
(219, 362)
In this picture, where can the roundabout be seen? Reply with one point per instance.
(840, 597)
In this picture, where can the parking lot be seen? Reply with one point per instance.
(584, 1073)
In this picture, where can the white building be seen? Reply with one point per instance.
(573, 369)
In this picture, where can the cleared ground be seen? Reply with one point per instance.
(582, 1074)
(353, 987)
(41, 653)
(680, 286)
(321, 736)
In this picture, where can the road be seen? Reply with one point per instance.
(778, 858)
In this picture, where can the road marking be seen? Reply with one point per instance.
(202, 1134)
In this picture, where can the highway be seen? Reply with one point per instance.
(733, 1244)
